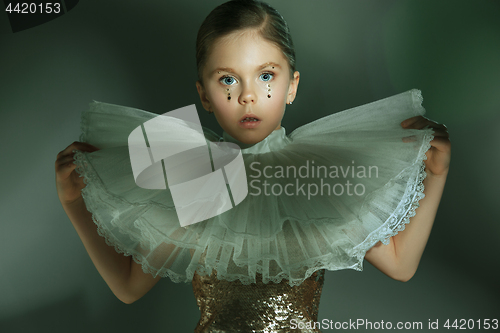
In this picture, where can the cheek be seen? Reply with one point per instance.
(218, 98)
(279, 88)
(275, 104)
(225, 109)
(278, 96)
(278, 93)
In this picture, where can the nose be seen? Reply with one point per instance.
(247, 95)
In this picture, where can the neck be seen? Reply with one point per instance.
(277, 139)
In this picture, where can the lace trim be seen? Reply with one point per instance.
(417, 98)
(409, 203)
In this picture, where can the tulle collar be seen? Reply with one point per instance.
(274, 141)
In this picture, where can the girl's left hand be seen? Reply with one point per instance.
(438, 156)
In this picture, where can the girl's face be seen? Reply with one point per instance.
(245, 66)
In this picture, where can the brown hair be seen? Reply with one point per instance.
(243, 14)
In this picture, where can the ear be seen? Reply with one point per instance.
(292, 89)
(203, 96)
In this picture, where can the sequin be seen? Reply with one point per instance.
(258, 308)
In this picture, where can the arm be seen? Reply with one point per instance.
(124, 277)
(400, 258)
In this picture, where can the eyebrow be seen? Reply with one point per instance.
(228, 69)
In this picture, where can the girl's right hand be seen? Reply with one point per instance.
(68, 182)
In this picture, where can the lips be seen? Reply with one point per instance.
(250, 116)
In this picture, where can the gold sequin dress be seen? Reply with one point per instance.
(232, 307)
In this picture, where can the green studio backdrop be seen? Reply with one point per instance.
(141, 54)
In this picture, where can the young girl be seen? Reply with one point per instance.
(327, 196)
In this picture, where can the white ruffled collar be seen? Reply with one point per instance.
(274, 141)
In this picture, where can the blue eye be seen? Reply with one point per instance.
(227, 80)
(266, 76)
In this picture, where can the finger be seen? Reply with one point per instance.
(64, 158)
(441, 133)
(424, 123)
(442, 126)
(436, 133)
(407, 139)
(77, 145)
(410, 121)
(64, 162)
(64, 169)
(439, 127)
(419, 123)
(442, 144)
(83, 146)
